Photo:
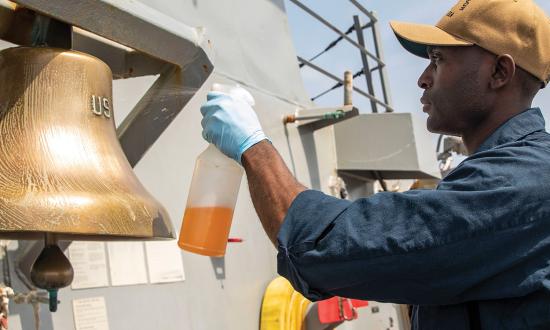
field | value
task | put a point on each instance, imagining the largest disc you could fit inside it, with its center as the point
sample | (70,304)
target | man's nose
(425,81)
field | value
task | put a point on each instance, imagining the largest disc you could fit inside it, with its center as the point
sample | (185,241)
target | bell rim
(62,236)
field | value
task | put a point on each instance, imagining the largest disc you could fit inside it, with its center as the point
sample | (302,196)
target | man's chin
(432,126)
(435,127)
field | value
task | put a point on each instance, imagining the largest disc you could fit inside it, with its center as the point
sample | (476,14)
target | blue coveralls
(474,253)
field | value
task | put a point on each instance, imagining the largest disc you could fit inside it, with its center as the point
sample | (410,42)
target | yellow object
(283,308)
(516,27)
(424,184)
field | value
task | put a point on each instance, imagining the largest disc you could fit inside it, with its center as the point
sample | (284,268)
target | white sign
(164,262)
(90,314)
(14,322)
(127,263)
(13,245)
(89,264)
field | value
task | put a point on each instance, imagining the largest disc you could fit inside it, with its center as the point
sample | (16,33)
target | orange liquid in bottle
(205,230)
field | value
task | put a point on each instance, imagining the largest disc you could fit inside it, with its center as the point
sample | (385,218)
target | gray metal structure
(365,54)
(400,151)
(174,51)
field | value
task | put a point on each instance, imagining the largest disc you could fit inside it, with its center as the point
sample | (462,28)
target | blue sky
(310,37)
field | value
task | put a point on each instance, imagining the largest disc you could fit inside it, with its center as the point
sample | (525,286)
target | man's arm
(272,186)
(230,123)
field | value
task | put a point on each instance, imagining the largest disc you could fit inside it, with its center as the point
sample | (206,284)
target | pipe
(348,88)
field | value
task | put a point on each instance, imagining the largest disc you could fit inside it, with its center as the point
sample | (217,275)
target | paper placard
(14,322)
(89,264)
(164,262)
(13,245)
(127,263)
(90,314)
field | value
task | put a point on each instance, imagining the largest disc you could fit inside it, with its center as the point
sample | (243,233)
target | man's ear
(504,70)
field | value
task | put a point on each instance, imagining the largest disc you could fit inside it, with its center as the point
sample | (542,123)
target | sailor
(473,253)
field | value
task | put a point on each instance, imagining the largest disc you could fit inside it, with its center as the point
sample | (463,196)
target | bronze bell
(62,170)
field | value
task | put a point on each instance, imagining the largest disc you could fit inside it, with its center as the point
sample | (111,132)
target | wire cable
(335,42)
(338,84)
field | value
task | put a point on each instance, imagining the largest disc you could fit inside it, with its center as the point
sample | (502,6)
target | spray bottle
(212,196)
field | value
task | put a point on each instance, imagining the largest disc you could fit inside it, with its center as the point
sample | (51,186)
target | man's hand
(230,123)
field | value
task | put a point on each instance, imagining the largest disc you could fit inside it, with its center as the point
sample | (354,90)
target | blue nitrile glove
(229,121)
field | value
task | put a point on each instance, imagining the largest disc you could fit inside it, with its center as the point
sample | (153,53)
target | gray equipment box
(386,146)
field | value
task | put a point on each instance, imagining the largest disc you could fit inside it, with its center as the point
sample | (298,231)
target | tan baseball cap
(518,28)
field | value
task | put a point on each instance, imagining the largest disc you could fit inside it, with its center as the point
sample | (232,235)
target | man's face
(455,87)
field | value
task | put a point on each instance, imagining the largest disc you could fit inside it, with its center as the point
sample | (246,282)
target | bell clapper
(52,270)
(52,293)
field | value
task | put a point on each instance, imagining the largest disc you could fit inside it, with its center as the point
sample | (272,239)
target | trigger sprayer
(212,196)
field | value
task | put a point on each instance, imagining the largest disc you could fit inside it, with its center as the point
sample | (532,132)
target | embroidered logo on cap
(464,5)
